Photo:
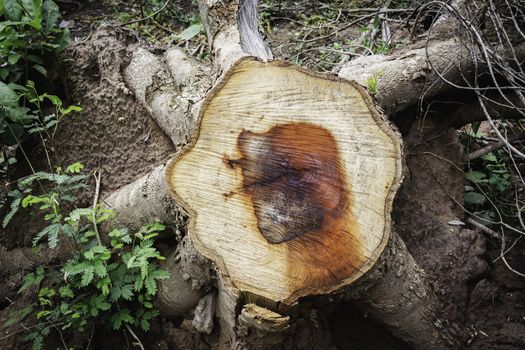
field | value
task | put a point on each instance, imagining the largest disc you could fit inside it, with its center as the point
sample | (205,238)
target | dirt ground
(114,134)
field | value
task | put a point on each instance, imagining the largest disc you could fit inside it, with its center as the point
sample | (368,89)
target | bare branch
(484,229)
(491,148)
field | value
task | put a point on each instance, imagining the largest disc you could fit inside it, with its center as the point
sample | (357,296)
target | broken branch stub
(288,181)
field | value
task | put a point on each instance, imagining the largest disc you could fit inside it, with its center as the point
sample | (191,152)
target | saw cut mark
(294,176)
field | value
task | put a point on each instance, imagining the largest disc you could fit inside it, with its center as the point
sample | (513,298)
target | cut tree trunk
(288,180)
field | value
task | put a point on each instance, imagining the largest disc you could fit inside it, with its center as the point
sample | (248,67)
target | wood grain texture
(289,180)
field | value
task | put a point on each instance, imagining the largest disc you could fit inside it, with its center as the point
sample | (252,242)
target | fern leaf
(75,178)
(15,205)
(145,325)
(127,292)
(159,274)
(99,302)
(100,269)
(38,342)
(104,306)
(27,282)
(146,317)
(76,268)
(78,213)
(87,276)
(93,312)
(139,283)
(19,315)
(151,285)
(103,285)
(52,232)
(123,316)
(115,293)
(52,236)
(143,267)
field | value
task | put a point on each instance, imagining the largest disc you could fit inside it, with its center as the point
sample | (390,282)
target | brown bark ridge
(395,291)
(288,181)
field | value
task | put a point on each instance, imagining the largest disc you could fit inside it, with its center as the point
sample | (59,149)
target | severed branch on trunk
(261,329)
(457,57)
(406,78)
(396,293)
(172,91)
(232,30)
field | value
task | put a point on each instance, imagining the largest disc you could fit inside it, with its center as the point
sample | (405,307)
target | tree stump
(288,181)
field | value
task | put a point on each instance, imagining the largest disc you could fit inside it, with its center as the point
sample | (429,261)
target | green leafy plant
(45,120)
(489,179)
(489,192)
(380,48)
(65,183)
(193,30)
(111,278)
(30,35)
(371,82)
(112,282)
(40,114)
(29,30)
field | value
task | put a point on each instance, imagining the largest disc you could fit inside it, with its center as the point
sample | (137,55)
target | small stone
(456,223)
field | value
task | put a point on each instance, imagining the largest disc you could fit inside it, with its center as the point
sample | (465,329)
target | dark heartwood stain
(295,181)
(293,175)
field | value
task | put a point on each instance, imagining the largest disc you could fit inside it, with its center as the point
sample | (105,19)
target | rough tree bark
(208,278)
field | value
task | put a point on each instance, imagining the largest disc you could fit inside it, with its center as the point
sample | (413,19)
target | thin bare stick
(96,175)
(502,256)
(348,25)
(148,17)
(136,337)
(61,335)
(383,10)
(91,336)
(385,27)
(484,229)
(491,148)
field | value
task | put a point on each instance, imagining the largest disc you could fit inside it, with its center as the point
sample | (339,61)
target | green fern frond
(52,232)
(15,205)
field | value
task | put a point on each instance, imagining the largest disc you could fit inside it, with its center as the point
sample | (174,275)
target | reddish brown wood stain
(294,176)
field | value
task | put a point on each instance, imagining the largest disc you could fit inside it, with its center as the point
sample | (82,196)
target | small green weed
(490,180)
(371,82)
(380,48)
